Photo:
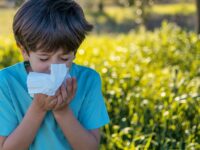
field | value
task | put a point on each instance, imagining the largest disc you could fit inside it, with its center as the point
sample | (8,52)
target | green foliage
(151,84)
(172,9)
(9,54)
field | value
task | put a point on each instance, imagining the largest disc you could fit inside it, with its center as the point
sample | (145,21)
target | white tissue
(47,83)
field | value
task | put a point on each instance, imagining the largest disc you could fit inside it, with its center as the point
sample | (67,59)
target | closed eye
(65,59)
(44,59)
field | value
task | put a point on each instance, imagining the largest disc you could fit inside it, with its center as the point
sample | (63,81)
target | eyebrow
(49,53)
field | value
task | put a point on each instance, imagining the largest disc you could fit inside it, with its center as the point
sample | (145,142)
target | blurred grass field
(150,79)
(118,15)
(6,19)
(151,85)
(179,8)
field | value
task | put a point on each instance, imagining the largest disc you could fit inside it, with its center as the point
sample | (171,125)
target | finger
(69,86)
(52,104)
(54,96)
(74,83)
(50,98)
(57,92)
(49,104)
(57,104)
(39,96)
(64,93)
(60,99)
(60,106)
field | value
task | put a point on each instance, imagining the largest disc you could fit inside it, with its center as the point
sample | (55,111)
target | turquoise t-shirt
(88,105)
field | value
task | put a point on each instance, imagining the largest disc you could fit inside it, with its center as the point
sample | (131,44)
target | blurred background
(148,55)
(122,16)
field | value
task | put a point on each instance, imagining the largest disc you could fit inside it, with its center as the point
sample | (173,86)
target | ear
(24,54)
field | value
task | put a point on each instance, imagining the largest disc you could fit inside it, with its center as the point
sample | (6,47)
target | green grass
(151,85)
(120,14)
(172,9)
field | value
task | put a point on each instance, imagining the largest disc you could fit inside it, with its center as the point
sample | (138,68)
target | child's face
(41,61)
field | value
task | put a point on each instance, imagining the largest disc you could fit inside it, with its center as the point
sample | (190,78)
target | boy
(50,32)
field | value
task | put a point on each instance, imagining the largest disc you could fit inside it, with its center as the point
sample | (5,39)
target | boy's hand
(65,95)
(44,102)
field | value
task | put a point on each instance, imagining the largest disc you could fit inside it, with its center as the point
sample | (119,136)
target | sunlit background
(148,55)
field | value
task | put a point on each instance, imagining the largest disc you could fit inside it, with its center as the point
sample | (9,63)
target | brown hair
(49,25)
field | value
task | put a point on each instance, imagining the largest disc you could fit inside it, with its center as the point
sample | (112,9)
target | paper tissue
(47,83)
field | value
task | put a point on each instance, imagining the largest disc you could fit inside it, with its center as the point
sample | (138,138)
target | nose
(55,61)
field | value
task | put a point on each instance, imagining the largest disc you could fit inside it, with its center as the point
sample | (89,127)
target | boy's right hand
(44,102)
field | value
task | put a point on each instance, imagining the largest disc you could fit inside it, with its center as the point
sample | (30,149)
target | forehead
(55,52)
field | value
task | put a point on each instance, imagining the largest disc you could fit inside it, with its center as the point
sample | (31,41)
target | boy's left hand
(65,95)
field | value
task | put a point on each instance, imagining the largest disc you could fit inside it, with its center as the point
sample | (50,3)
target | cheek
(69,64)
(44,67)
(40,67)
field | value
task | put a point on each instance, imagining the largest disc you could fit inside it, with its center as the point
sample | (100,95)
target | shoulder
(4,81)
(6,74)
(86,72)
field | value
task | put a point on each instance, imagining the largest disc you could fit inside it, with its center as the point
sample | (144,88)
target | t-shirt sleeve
(93,113)
(8,119)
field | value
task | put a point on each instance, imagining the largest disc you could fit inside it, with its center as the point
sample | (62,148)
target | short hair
(48,25)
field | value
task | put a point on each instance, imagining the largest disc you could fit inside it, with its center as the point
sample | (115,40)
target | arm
(78,137)
(2,139)
(24,134)
(75,133)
